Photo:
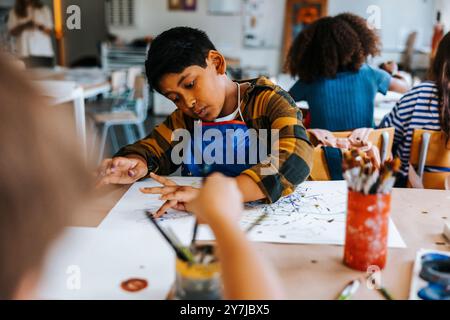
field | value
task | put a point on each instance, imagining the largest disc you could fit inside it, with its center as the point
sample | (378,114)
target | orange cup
(366,233)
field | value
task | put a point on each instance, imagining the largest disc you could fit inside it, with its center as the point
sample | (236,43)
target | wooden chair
(429,151)
(382,138)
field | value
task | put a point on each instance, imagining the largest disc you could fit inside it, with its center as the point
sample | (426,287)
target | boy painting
(184,66)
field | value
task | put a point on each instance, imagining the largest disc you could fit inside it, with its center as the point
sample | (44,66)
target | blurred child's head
(42,178)
(440,73)
(184,66)
(331,45)
(370,41)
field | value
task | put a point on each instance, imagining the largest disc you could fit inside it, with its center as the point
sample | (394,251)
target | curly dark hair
(370,41)
(331,45)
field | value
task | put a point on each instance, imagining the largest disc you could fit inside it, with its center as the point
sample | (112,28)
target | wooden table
(317,271)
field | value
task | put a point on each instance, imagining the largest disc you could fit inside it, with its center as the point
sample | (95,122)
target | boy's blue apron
(241,143)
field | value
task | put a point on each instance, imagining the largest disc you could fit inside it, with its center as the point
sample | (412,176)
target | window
(120,13)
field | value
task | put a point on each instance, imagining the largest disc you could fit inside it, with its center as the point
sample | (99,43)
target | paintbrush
(179,245)
(385,293)
(349,290)
(382,290)
(362,176)
(180,254)
(257,221)
(194,234)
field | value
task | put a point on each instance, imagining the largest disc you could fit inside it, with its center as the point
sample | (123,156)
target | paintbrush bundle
(194,254)
(364,177)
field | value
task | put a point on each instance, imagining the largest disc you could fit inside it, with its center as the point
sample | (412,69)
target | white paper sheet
(91,264)
(129,212)
(314,214)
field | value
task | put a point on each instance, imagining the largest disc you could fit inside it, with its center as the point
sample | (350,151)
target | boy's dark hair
(331,45)
(174,50)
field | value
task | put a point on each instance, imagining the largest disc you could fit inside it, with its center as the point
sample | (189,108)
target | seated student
(184,66)
(37,203)
(329,58)
(426,106)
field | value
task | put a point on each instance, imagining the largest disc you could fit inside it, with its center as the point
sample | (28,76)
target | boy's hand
(122,170)
(177,197)
(218,199)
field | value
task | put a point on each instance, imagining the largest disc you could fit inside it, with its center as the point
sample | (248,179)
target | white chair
(122,89)
(122,94)
(134,116)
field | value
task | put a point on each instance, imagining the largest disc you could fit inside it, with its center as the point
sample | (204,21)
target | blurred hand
(218,199)
(177,197)
(121,170)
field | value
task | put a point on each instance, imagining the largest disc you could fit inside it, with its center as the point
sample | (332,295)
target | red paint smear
(134,285)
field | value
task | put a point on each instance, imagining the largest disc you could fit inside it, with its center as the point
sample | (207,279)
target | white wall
(399,17)
(444,7)
(153,17)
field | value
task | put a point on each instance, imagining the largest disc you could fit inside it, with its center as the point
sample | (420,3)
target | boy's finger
(158,190)
(123,163)
(137,173)
(180,207)
(112,179)
(116,162)
(100,183)
(103,182)
(116,172)
(122,168)
(178,195)
(162,180)
(103,167)
(163,210)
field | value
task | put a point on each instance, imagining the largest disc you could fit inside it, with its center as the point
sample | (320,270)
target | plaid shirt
(265,106)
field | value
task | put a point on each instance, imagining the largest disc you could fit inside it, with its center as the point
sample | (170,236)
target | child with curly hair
(330,60)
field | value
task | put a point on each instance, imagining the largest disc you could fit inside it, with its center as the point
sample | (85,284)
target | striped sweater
(265,106)
(418,109)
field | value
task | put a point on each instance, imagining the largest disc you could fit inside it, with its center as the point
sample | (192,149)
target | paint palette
(431,276)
